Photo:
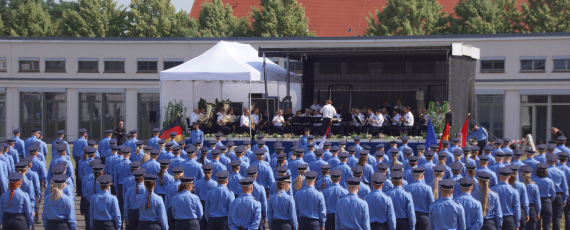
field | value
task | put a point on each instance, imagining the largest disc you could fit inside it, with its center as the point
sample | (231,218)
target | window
(147,65)
(88,65)
(55,65)
(492,64)
(533,64)
(29,64)
(2,64)
(171,62)
(296,66)
(114,65)
(490,113)
(561,63)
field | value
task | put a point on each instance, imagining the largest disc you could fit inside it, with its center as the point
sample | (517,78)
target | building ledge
(55,71)
(532,71)
(28,71)
(88,71)
(111,71)
(147,71)
(492,71)
(561,71)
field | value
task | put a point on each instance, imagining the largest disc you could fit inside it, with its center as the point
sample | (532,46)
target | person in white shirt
(221,125)
(255,116)
(396,122)
(307,113)
(356,126)
(386,117)
(245,123)
(376,122)
(316,106)
(194,116)
(328,112)
(407,119)
(278,122)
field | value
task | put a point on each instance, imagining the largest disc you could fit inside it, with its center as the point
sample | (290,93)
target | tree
(217,20)
(279,18)
(484,17)
(543,16)
(174,110)
(407,17)
(158,18)
(94,18)
(1,26)
(32,20)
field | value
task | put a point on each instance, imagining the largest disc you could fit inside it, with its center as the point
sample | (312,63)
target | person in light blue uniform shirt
(91,187)
(310,140)
(195,135)
(352,210)
(456,169)
(130,181)
(454,144)
(38,166)
(499,157)
(517,154)
(311,205)
(316,164)
(105,214)
(258,193)
(551,147)
(530,161)
(561,144)
(325,180)
(279,160)
(347,172)
(446,213)
(541,157)
(380,158)
(332,195)
(471,206)
(480,134)
(333,160)
(245,211)
(533,197)
(139,152)
(7,158)
(563,158)
(59,210)
(186,207)
(164,179)
(428,154)
(201,156)
(394,145)
(153,141)
(483,161)
(15,207)
(309,155)
(380,206)
(357,146)
(28,186)
(235,176)
(104,144)
(444,149)
(305,138)
(506,145)
(561,186)
(167,153)
(299,182)
(171,191)
(498,144)
(364,189)
(152,213)
(407,154)
(260,145)
(403,203)
(384,169)
(57,170)
(547,190)
(112,158)
(218,166)
(327,151)
(202,187)
(422,197)
(409,173)
(296,162)
(176,160)
(281,211)
(32,139)
(132,142)
(130,206)
(404,145)
(224,158)
(278,146)
(265,173)
(19,144)
(281,171)
(218,202)
(12,152)
(60,134)
(191,167)
(278,150)
(509,199)
(152,166)
(523,196)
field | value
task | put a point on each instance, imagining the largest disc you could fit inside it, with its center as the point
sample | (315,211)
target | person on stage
(481,136)
(328,112)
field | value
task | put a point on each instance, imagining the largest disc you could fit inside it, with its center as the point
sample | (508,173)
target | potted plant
(271,137)
(288,137)
(209,137)
(436,112)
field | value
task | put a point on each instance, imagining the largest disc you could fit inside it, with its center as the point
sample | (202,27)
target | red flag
(325,136)
(464,133)
(174,127)
(445,136)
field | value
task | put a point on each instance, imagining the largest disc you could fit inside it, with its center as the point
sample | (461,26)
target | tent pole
(250,114)
(266,95)
(288,97)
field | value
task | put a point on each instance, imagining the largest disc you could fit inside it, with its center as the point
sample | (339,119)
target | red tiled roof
(328,18)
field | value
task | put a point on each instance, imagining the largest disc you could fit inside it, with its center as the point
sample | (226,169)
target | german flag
(174,127)
(444,137)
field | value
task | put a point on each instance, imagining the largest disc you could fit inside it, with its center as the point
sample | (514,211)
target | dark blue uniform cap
(139,143)
(351,149)
(222,175)
(246,181)
(58,169)
(282,169)
(176,148)
(343,155)
(367,147)
(94,162)
(235,163)
(455,140)
(15,177)
(561,139)
(335,149)
(429,153)
(319,152)
(550,147)
(394,151)
(139,172)
(260,136)
(483,158)
(33,148)
(133,131)
(434,147)
(198,142)
(302,167)
(483,175)
(135,164)
(260,142)
(421,147)
(413,159)
(16,130)
(342,143)
(160,142)
(61,148)
(336,173)
(470,166)
(541,147)
(456,166)
(393,142)
(164,162)
(147,148)
(408,151)
(382,166)
(285,178)
(364,153)
(187,180)
(247,143)
(498,141)
(418,170)
(150,177)
(508,154)
(281,156)
(311,145)
(526,169)
(60,178)
(438,168)
(91,143)
(207,167)
(378,178)
(260,152)
(105,179)
(22,164)
(447,184)
(279,148)
(178,170)
(252,170)
(126,149)
(31,159)
(298,151)
(517,153)
(397,175)
(551,157)
(380,146)
(442,154)
(357,170)
(466,182)
(357,138)
(90,150)
(59,141)
(239,149)
(327,144)
(60,132)
(63,163)
(504,171)
(154,152)
(513,167)
(204,149)
(311,175)
(277,144)
(326,167)
(12,140)
(444,142)
(172,134)
(156,130)
(529,151)
(404,138)
(506,140)
(98,167)
(216,152)
(396,168)
(458,152)
(230,144)
(563,155)
(108,130)
(466,149)
(217,134)
(379,153)
(353,181)
(83,130)
(169,145)
(475,148)
(541,166)
(213,142)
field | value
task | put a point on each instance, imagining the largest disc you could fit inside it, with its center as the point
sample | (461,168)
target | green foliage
(436,112)
(202,104)
(407,17)
(217,20)
(95,18)
(544,16)
(158,18)
(32,20)
(1,26)
(279,18)
(475,17)
(174,109)
(56,9)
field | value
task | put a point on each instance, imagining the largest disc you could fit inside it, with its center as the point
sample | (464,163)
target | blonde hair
(441,161)
(484,184)
(394,159)
(279,188)
(299,179)
(146,157)
(177,176)
(55,190)
(435,189)
(527,179)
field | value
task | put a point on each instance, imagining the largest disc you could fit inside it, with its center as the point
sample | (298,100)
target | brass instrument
(226,119)
(233,118)
(205,118)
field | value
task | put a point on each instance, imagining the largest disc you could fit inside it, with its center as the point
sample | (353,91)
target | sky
(179,4)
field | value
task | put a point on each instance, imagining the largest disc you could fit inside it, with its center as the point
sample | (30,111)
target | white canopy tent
(229,70)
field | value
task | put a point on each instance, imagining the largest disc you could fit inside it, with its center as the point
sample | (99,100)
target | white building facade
(522,80)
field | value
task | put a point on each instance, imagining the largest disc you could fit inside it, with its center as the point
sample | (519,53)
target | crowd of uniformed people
(194,185)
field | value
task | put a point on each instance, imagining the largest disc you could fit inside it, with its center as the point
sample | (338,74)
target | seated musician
(335,128)
(317,125)
(376,122)
(396,122)
(356,126)
(424,117)
(407,120)
(245,123)
(296,127)
(221,124)
(307,113)
(256,118)
(278,122)
(387,121)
